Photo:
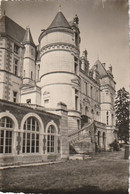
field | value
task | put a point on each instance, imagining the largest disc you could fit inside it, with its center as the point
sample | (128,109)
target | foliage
(115,145)
(122,114)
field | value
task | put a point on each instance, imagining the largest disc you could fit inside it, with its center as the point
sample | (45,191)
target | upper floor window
(28,101)
(86,88)
(15,66)
(107,117)
(6,130)
(16,48)
(91,92)
(14,96)
(76,65)
(76,99)
(31,75)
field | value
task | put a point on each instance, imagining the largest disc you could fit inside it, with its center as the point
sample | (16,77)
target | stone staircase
(82,141)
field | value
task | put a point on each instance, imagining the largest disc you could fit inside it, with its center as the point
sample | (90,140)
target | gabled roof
(59,21)
(12,29)
(28,37)
(101,69)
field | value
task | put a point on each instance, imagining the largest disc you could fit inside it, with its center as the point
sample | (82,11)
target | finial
(27,27)
(59,8)
(76,19)
(97,56)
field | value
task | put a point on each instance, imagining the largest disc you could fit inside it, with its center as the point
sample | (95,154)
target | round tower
(59,68)
(29,72)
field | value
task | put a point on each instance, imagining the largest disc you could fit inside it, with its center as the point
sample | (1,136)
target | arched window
(99,138)
(104,139)
(31,136)
(6,130)
(51,139)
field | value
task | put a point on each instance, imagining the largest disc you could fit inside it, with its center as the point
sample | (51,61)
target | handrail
(77,132)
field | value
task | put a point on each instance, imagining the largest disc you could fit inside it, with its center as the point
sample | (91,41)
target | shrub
(115,145)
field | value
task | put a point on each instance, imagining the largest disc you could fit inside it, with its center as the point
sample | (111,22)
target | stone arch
(98,138)
(15,128)
(32,115)
(52,123)
(10,115)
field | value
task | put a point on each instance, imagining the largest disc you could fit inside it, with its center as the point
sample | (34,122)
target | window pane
(31,141)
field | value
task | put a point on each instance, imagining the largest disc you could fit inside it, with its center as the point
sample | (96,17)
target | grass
(105,173)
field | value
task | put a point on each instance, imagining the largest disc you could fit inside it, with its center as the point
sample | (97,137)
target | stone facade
(53,77)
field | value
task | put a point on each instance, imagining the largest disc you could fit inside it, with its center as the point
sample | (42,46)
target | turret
(29,72)
(59,66)
(84,62)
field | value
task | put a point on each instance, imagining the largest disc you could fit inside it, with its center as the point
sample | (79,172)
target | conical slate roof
(59,21)
(11,28)
(28,37)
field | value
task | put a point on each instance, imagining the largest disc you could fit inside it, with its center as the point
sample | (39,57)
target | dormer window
(16,49)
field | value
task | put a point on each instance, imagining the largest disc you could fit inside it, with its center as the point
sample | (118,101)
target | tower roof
(28,37)
(12,29)
(59,21)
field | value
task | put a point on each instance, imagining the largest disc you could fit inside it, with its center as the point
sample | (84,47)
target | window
(31,75)
(107,117)
(76,99)
(15,66)
(46,101)
(91,92)
(92,111)
(78,123)
(6,130)
(76,65)
(28,101)
(16,49)
(112,118)
(24,73)
(51,139)
(14,96)
(97,95)
(38,74)
(31,136)
(86,88)
(99,138)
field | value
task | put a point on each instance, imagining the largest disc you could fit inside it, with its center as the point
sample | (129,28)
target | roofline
(55,29)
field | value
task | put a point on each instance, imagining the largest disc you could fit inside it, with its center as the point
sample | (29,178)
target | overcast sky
(103,27)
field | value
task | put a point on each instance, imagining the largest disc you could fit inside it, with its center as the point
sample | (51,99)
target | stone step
(79,157)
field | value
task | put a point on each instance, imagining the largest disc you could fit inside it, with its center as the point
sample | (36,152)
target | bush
(115,145)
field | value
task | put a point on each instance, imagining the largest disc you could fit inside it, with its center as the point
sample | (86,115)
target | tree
(122,114)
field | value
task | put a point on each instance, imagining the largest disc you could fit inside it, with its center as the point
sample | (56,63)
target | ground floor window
(51,139)
(6,131)
(31,136)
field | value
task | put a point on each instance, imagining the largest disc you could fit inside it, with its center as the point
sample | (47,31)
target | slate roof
(12,29)
(59,21)
(28,37)
(101,69)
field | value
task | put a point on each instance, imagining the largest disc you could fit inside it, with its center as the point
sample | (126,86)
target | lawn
(105,173)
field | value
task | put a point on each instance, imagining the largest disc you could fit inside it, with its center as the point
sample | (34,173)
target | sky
(103,28)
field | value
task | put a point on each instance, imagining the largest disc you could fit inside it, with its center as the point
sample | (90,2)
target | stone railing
(86,131)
